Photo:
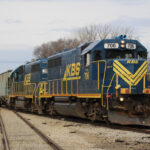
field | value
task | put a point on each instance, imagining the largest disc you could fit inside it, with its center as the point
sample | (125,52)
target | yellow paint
(57,86)
(123,91)
(144,91)
(61,86)
(71,87)
(72,71)
(141,76)
(86,75)
(66,87)
(49,87)
(117,86)
(53,87)
(27,79)
(95,95)
(127,71)
(110,84)
(144,80)
(102,99)
(73,78)
(127,76)
(98,76)
(77,86)
(89,95)
(132,61)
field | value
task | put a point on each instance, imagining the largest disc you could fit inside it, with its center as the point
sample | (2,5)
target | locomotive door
(98,69)
(99,75)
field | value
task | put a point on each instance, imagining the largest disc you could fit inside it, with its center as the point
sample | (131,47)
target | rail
(49,141)
(3,131)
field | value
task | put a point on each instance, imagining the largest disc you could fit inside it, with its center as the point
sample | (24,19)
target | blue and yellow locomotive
(100,80)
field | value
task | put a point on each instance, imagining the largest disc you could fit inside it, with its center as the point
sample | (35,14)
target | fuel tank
(69,109)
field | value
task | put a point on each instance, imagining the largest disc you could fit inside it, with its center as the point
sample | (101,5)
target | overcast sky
(25,24)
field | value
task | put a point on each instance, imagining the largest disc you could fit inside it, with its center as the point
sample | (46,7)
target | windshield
(126,54)
(142,55)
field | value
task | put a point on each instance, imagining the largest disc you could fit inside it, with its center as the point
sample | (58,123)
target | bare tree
(50,48)
(87,33)
(103,31)
(84,34)
(100,32)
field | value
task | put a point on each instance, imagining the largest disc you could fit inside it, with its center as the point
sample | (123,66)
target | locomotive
(104,80)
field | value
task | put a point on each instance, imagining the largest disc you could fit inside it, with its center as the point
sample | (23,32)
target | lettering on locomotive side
(86,75)
(27,79)
(132,61)
(72,71)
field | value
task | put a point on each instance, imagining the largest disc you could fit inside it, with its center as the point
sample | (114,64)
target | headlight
(44,71)
(121,99)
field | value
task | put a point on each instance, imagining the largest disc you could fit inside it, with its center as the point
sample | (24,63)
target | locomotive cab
(118,70)
(130,86)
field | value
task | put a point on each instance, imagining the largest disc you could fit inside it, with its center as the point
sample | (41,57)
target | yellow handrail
(99,61)
(110,84)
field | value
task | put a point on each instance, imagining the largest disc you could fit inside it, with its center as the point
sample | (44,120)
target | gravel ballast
(79,136)
(70,135)
(20,135)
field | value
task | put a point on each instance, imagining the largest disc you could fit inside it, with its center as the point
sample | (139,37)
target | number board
(111,45)
(130,46)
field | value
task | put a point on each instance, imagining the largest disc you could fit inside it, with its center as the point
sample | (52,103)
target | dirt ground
(85,136)
(1,141)
(20,135)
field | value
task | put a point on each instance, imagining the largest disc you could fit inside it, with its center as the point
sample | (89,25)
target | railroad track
(49,141)
(139,129)
(133,128)
(3,131)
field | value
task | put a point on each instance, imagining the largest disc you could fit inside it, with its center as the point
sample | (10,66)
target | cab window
(87,59)
(119,54)
(16,76)
(142,55)
(97,55)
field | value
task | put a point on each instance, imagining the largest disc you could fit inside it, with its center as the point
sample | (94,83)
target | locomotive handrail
(144,81)
(66,81)
(54,87)
(110,84)
(20,89)
(99,61)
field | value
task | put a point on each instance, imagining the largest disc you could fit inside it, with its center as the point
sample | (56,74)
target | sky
(25,24)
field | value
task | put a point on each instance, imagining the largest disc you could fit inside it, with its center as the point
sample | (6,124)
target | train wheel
(32,108)
(94,112)
(51,109)
(39,108)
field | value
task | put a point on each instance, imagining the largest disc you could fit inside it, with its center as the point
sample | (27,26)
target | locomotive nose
(130,74)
